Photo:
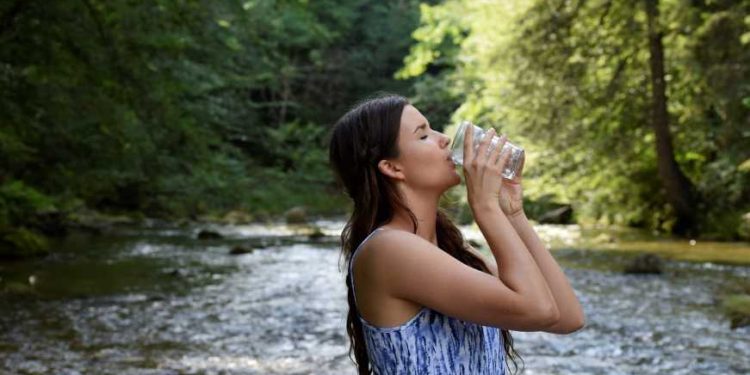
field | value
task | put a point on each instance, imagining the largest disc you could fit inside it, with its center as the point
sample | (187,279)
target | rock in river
(737,308)
(645,264)
(207,234)
(296,215)
(239,249)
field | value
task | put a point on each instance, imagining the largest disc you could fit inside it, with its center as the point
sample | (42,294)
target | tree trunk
(679,189)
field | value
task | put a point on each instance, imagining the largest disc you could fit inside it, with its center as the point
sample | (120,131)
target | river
(155,300)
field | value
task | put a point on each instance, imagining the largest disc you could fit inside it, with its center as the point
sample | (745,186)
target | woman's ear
(391,169)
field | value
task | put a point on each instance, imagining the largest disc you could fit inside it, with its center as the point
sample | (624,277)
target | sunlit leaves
(570,81)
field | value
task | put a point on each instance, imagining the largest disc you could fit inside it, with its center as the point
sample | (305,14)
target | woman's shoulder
(393,237)
(389,244)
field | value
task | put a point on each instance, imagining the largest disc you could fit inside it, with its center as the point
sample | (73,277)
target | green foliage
(570,82)
(18,201)
(291,189)
(301,148)
(184,108)
(21,243)
(434,58)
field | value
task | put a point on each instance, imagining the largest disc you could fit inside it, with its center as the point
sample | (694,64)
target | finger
(499,149)
(519,176)
(485,144)
(503,160)
(468,142)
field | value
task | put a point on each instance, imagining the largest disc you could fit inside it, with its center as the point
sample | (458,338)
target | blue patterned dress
(432,343)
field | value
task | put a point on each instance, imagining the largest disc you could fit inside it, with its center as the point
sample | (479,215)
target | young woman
(421,300)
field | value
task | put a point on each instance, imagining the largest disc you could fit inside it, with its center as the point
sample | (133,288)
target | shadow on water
(158,301)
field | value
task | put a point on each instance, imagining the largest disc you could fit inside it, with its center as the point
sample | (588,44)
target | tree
(569,81)
(680,190)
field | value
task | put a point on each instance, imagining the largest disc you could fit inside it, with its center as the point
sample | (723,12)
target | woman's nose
(445,140)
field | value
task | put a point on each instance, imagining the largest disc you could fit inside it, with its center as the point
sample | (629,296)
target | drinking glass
(512,167)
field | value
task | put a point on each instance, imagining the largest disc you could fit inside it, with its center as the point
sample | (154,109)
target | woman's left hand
(511,194)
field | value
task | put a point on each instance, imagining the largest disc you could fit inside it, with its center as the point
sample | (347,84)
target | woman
(422,301)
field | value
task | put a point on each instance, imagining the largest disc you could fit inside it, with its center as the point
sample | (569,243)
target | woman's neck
(425,209)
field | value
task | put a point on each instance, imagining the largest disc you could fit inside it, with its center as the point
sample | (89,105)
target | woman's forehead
(411,118)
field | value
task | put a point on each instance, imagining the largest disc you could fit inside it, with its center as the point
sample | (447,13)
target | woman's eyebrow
(420,127)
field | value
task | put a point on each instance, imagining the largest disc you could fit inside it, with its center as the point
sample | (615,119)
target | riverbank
(614,239)
(31,238)
(632,242)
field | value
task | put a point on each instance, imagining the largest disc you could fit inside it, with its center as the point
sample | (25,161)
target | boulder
(645,264)
(737,309)
(560,215)
(239,249)
(207,234)
(235,217)
(176,272)
(296,215)
(316,233)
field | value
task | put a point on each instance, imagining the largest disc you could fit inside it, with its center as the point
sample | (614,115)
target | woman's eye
(423,137)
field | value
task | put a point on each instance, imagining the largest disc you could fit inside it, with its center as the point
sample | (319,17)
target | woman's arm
(571,313)
(516,267)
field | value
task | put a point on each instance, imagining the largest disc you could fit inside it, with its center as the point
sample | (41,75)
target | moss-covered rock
(207,234)
(316,233)
(98,222)
(645,264)
(737,309)
(296,215)
(17,289)
(235,217)
(240,249)
(16,243)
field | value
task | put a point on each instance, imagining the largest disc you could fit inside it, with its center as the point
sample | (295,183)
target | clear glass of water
(515,163)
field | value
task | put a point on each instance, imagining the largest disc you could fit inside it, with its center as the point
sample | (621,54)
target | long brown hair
(363,136)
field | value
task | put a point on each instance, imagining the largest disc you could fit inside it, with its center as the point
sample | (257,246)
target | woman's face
(424,154)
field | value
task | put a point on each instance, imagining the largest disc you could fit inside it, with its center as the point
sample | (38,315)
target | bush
(18,203)
(21,243)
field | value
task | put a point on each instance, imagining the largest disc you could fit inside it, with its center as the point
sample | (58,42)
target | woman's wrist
(512,208)
(515,214)
(484,208)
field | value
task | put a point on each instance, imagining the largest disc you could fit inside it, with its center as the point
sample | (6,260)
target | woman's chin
(456,180)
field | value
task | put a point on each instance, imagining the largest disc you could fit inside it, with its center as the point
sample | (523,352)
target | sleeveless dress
(431,343)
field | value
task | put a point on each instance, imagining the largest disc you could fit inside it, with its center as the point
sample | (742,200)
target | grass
(732,253)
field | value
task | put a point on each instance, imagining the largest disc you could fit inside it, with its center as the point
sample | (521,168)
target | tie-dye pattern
(433,343)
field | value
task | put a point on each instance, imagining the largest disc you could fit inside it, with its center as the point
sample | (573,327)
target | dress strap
(351,262)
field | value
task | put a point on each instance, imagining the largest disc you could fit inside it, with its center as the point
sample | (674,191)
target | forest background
(632,113)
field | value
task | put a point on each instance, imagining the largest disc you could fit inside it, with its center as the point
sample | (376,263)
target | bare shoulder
(407,267)
(396,248)
(393,246)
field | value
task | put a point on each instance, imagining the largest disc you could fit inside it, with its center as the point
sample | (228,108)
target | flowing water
(155,300)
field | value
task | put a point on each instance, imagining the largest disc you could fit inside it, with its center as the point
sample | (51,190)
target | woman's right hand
(483,170)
